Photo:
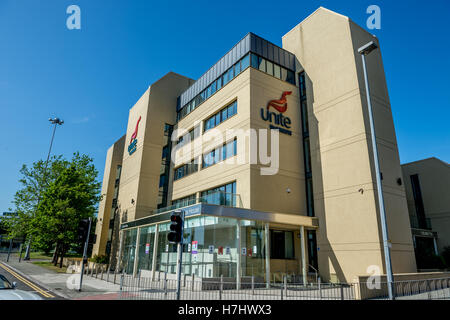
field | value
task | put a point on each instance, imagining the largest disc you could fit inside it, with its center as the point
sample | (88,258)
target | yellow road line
(30,284)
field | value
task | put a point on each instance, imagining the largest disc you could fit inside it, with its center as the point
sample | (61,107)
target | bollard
(221,287)
(115,272)
(319,283)
(107,274)
(253,285)
(139,280)
(92,272)
(184,280)
(192,282)
(121,281)
(96,271)
(342,292)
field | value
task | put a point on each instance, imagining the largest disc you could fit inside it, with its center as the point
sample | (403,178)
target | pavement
(51,285)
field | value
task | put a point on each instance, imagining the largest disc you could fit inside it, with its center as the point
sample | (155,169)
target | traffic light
(176,227)
(83,230)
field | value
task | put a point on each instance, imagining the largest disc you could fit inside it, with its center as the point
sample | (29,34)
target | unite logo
(133,140)
(280,105)
(278,120)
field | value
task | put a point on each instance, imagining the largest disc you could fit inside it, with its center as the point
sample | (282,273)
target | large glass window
(146,243)
(129,250)
(183,202)
(281,244)
(186,169)
(222,195)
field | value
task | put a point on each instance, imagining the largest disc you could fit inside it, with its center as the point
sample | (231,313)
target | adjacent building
(427,184)
(268,154)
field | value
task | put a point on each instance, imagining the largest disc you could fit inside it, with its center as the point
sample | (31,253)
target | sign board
(220,251)
(147,248)
(227,250)
(194,247)
(244,251)
(211,249)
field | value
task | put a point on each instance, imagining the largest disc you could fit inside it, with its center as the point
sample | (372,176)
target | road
(25,284)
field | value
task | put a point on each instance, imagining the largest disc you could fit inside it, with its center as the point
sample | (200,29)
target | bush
(102,259)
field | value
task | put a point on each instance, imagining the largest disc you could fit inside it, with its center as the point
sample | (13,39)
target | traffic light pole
(85,253)
(180,258)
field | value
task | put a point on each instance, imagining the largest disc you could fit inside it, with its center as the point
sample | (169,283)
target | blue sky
(93,76)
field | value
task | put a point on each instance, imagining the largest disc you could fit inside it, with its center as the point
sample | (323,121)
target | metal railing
(253,288)
(140,288)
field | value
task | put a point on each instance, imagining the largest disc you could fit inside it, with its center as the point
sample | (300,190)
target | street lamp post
(364,51)
(55,122)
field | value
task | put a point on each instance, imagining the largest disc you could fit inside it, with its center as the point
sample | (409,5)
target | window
(222,195)
(221,116)
(277,71)
(183,202)
(216,85)
(237,68)
(261,64)
(269,66)
(255,61)
(245,62)
(290,77)
(281,244)
(219,154)
(312,251)
(185,170)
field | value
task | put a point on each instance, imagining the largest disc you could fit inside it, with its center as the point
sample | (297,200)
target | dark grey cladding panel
(250,42)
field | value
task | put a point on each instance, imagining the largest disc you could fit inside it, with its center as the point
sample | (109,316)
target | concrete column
(155,251)
(136,252)
(238,259)
(267,245)
(303,246)
(119,255)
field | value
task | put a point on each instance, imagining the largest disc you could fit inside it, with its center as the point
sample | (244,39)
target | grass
(50,266)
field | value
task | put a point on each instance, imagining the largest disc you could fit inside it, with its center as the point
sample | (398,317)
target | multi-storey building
(268,154)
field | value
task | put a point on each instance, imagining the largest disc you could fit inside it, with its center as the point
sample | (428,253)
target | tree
(71,197)
(34,181)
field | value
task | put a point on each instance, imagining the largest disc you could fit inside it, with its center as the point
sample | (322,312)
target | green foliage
(102,259)
(71,197)
(50,208)
(32,184)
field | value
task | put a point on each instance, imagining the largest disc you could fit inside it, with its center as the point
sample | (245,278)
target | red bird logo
(134,135)
(280,105)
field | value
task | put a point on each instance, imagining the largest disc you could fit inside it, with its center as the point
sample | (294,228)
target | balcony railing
(218,198)
(417,223)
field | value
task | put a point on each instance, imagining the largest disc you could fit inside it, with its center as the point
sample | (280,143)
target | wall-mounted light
(288,190)
(132,201)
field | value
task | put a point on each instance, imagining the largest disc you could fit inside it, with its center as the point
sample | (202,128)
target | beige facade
(433,176)
(106,210)
(344,189)
(349,237)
